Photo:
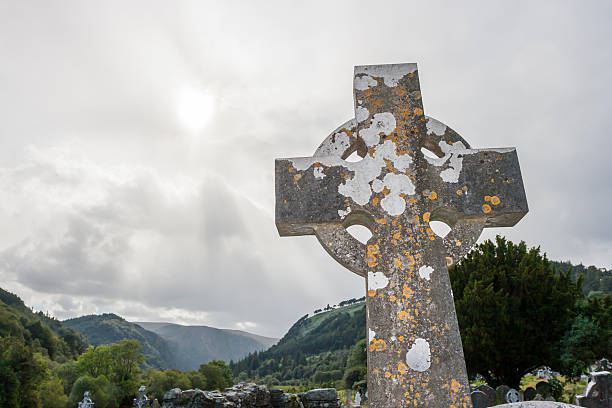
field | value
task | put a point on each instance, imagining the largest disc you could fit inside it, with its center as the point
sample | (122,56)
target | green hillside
(195,345)
(41,332)
(314,350)
(110,328)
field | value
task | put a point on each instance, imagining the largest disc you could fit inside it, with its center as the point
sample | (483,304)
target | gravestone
(414,169)
(490,391)
(480,399)
(598,392)
(87,402)
(142,400)
(529,393)
(512,396)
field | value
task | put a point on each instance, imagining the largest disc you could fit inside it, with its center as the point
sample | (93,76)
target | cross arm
(306,197)
(480,183)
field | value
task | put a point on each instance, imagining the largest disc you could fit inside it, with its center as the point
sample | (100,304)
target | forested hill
(110,328)
(36,331)
(596,281)
(314,350)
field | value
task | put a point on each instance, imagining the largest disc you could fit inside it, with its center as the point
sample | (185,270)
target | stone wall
(249,395)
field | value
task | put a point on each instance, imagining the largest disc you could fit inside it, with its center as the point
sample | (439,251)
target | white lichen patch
(364,82)
(435,127)
(425,272)
(419,356)
(452,154)
(393,203)
(377,280)
(381,123)
(391,73)
(344,213)
(361,114)
(318,172)
(366,172)
(371,335)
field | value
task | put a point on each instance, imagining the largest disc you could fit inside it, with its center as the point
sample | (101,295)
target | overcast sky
(138,140)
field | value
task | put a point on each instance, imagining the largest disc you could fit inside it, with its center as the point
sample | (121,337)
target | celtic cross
(413,170)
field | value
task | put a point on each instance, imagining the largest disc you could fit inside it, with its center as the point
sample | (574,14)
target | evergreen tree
(513,309)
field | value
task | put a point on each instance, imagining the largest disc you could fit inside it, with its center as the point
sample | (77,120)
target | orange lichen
(372,251)
(486,208)
(378,345)
(426,216)
(495,200)
(375,201)
(449,261)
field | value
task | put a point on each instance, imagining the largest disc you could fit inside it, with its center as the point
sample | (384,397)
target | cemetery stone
(142,400)
(598,392)
(487,390)
(480,399)
(500,394)
(529,393)
(87,402)
(413,169)
(512,396)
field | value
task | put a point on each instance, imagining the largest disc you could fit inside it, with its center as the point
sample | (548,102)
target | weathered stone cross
(413,169)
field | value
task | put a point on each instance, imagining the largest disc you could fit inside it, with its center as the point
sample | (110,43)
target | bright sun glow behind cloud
(195,108)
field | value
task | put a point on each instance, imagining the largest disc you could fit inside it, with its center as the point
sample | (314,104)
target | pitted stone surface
(413,169)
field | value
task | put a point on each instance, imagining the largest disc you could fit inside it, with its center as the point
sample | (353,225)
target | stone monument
(87,402)
(598,392)
(142,401)
(414,169)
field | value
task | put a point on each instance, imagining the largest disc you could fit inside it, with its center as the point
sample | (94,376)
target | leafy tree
(513,308)
(52,393)
(102,391)
(218,375)
(68,374)
(160,381)
(96,361)
(9,385)
(28,368)
(578,346)
(197,379)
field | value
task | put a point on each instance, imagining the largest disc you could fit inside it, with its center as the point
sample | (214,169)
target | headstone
(142,400)
(321,397)
(155,404)
(87,402)
(529,393)
(598,392)
(480,399)
(500,393)
(415,357)
(512,396)
(487,390)
(543,388)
